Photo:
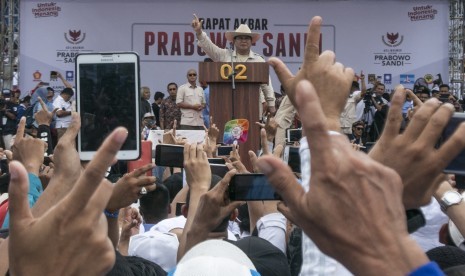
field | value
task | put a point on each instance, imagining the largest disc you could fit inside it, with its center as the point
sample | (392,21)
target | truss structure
(9,43)
(456,45)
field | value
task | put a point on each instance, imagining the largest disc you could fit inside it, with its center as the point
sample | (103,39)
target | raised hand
(47,244)
(330,78)
(341,212)
(197,25)
(412,154)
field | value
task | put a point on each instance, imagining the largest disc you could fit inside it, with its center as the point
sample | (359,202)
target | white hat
(242,30)
(148,114)
(215,257)
(169,224)
(160,248)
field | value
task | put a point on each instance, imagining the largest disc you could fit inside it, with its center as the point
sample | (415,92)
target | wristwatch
(450,198)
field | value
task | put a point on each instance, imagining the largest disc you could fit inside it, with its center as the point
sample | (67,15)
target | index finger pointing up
(312,48)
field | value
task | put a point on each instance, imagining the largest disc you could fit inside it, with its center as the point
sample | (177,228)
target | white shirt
(60,103)
(314,262)
(428,236)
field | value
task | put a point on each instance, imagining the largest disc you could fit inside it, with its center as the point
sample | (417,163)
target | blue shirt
(35,191)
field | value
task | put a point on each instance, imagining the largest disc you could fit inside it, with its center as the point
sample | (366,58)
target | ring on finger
(143,191)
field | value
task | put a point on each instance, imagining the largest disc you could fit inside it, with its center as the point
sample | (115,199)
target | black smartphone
(220,161)
(179,208)
(224,150)
(53,75)
(460,182)
(4,233)
(219,170)
(251,187)
(107,96)
(47,160)
(457,165)
(444,98)
(293,135)
(169,155)
(291,156)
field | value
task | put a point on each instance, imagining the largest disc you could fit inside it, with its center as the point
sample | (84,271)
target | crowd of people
(390,211)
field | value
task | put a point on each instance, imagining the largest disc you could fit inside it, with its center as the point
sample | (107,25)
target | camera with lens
(368,97)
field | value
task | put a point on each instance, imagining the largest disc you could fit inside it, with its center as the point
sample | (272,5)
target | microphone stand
(233,80)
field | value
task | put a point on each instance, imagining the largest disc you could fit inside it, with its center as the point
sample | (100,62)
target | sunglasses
(192,75)
(359,128)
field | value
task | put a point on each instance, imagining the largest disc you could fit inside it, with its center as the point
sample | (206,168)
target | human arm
(455,212)
(214,206)
(213,51)
(323,72)
(130,227)
(76,223)
(127,189)
(413,153)
(183,91)
(58,104)
(198,177)
(345,227)
(415,99)
(64,81)
(268,93)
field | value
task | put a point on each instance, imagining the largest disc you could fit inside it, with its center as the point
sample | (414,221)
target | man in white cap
(243,38)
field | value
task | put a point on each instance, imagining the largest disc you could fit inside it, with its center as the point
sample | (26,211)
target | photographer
(8,113)
(380,106)
(349,115)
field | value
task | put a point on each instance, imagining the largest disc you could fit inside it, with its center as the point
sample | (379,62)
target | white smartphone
(107,86)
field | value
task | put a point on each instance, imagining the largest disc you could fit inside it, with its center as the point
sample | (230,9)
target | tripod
(369,117)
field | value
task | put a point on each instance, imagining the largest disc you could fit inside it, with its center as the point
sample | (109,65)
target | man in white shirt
(64,105)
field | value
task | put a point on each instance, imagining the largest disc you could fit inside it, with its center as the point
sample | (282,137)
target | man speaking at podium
(243,38)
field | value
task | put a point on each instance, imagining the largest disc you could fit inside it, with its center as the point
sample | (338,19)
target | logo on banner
(407,78)
(69,76)
(428,78)
(392,39)
(37,75)
(67,53)
(371,78)
(393,55)
(75,37)
(422,13)
(47,9)
(387,78)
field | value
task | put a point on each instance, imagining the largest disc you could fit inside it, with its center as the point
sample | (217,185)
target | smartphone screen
(456,166)
(224,150)
(108,97)
(293,135)
(251,187)
(219,170)
(169,155)
(220,161)
(179,208)
(292,157)
(460,182)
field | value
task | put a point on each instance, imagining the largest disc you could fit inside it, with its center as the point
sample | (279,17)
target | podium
(242,103)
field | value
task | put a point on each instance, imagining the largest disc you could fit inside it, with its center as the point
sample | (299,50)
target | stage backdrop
(392,41)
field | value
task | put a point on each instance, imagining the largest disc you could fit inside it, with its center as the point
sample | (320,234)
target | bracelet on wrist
(109,214)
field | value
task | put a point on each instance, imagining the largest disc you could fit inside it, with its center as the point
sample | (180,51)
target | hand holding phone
(107,87)
(251,187)
(169,156)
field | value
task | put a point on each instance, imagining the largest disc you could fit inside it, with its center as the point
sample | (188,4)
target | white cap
(160,248)
(215,257)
